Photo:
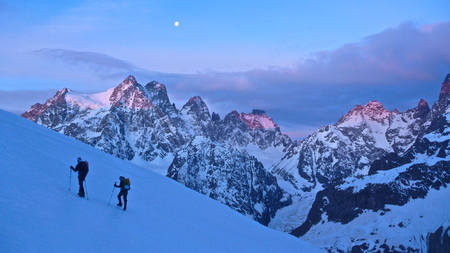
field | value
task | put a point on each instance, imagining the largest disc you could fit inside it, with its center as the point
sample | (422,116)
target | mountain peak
(258,112)
(373,110)
(442,105)
(196,100)
(37,109)
(155,85)
(258,119)
(130,94)
(62,92)
(197,107)
(130,79)
(370,108)
(422,103)
(374,105)
(157,92)
(445,89)
(447,78)
(422,109)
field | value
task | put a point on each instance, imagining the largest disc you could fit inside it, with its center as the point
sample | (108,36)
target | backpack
(84,168)
(87,166)
(127,184)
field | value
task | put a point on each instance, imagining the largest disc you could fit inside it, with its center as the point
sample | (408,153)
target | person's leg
(125,199)
(119,198)
(81,190)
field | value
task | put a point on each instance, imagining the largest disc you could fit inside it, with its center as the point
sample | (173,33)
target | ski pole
(85,186)
(70,178)
(111,194)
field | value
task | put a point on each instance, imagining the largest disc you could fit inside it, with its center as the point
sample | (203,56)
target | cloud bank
(101,64)
(397,67)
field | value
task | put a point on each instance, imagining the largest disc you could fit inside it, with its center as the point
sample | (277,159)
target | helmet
(121,177)
(79,159)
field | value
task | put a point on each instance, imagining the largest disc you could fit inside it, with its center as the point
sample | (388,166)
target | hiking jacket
(82,169)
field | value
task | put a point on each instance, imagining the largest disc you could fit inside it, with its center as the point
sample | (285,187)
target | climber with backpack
(82,168)
(124,188)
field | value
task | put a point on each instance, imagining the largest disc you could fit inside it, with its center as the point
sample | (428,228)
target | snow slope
(40,214)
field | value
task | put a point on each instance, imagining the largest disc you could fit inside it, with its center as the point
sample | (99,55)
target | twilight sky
(306,63)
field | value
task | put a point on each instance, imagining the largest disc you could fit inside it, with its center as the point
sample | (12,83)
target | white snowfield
(39,213)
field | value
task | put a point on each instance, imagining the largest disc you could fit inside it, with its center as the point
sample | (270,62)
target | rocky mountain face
(138,123)
(127,121)
(349,147)
(251,128)
(231,176)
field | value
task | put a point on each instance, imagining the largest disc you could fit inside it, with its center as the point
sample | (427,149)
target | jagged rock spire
(197,107)
(445,89)
(422,109)
(38,109)
(130,80)
(441,106)
(130,94)
(157,92)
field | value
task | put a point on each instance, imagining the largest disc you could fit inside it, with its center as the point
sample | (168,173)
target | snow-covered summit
(258,119)
(372,111)
(130,94)
(197,109)
(89,101)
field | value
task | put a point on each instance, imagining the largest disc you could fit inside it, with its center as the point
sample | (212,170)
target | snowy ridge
(162,215)
(372,112)
(90,102)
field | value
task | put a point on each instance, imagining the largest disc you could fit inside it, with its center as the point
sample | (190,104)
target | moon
(176,23)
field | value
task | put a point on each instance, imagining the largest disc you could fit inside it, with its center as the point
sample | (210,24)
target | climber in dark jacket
(123,192)
(82,168)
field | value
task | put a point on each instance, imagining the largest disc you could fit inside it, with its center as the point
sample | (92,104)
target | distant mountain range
(139,123)
(373,164)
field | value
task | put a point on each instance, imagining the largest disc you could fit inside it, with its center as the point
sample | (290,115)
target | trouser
(123,193)
(80,182)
